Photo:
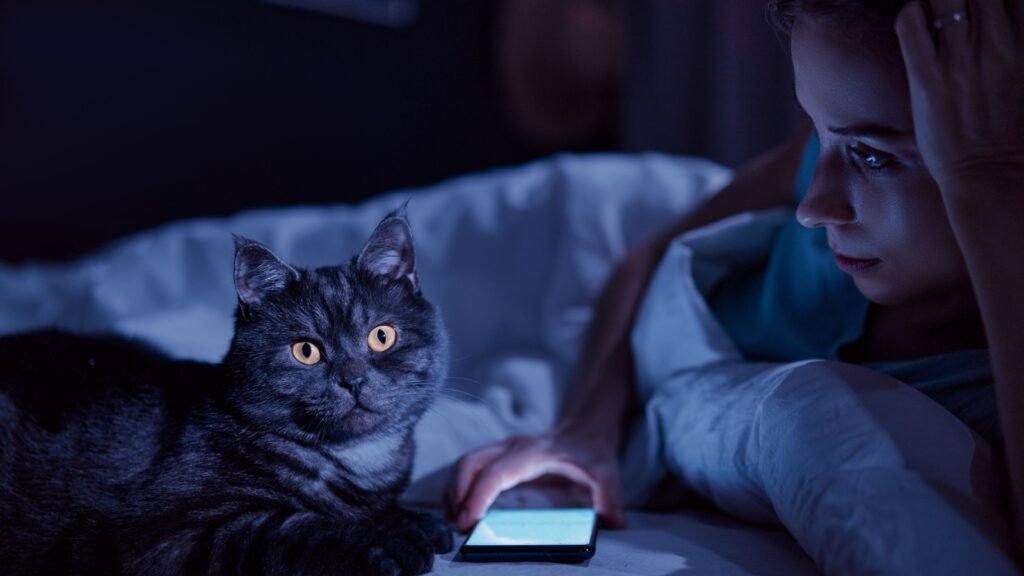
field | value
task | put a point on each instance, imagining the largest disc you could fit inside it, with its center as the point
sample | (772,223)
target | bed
(515,258)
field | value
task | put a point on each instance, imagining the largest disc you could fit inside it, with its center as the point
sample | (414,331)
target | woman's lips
(851,265)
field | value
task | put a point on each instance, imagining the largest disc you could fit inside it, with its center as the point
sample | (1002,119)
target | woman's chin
(877,291)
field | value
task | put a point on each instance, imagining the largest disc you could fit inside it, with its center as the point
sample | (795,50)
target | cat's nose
(354,384)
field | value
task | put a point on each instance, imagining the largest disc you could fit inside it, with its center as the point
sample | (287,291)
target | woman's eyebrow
(869,129)
(865,129)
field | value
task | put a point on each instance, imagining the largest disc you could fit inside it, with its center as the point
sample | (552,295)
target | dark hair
(871,16)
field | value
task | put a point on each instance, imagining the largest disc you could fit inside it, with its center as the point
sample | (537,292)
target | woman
(918,189)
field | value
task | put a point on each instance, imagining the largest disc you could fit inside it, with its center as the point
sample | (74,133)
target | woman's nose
(827,201)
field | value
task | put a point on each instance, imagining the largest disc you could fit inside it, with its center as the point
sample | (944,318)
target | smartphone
(545,535)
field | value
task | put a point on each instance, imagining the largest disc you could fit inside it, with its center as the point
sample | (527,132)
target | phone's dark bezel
(561,553)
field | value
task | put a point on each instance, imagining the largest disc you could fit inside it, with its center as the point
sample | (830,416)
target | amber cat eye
(382,338)
(306,352)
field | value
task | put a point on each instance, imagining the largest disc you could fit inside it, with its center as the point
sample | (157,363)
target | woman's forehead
(841,81)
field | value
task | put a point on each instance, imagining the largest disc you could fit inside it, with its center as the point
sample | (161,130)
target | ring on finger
(958,17)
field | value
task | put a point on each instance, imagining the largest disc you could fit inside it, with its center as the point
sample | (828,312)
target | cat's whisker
(433,410)
(466,396)
(419,386)
(321,426)
(461,358)
(465,393)
(454,390)
(413,387)
(459,378)
(464,379)
(446,393)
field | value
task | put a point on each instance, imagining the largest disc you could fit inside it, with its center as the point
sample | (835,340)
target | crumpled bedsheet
(869,475)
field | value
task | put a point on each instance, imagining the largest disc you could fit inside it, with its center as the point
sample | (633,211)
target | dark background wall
(705,77)
(118,115)
(128,113)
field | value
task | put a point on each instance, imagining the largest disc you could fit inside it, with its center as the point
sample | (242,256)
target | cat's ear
(389,251)
(258,272)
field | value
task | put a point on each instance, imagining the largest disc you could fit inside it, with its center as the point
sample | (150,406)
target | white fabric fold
(869,475)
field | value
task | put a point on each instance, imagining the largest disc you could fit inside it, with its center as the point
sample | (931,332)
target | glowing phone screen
(548,527)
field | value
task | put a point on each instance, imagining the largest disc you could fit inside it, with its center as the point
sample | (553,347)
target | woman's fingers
(602,480)
(993,24)
(952,23)
(916,43)
(481,476)
(606,492)
(965,91)
(466,470)
(506,471)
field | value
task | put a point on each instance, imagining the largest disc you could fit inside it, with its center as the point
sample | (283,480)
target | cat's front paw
(409,544)
(437,531)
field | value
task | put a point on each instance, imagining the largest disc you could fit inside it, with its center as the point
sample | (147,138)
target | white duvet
(867,475)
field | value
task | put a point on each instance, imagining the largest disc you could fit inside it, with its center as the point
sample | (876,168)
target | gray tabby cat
(286,458)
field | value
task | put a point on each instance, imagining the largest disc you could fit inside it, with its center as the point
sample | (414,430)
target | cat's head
(337,353)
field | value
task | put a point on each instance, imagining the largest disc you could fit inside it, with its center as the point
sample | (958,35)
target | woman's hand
(965,65)
(967,95)
(480,476)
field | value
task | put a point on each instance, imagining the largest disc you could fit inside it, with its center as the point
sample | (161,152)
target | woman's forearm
(987,214)
(601,392)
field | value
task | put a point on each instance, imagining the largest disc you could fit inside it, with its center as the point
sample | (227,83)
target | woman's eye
(871,159)
(306,352)
(381,338)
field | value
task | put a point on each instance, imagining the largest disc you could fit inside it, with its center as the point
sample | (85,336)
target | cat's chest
(375,463)
(363,472)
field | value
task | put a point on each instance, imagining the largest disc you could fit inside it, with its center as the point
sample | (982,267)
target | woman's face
(883,213)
